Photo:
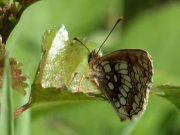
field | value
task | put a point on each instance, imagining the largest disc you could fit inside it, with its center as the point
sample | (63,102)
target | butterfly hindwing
(125,77)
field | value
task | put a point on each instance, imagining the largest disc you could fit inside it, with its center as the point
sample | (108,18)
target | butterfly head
(92,56)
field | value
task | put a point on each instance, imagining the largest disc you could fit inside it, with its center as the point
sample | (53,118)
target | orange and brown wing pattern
(125,77)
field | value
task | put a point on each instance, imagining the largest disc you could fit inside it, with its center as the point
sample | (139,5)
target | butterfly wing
(125,77)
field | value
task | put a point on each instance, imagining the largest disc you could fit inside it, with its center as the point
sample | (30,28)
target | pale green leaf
(6,118)
(169,92)
(63,66)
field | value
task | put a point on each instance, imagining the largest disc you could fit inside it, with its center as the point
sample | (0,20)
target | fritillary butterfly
(124,78)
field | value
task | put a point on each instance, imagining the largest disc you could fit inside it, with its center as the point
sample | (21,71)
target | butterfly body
(124,78)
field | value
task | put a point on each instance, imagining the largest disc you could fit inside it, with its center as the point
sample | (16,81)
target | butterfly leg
(78,80)
(80,83)
(73,78)
(96,83)
(73,82)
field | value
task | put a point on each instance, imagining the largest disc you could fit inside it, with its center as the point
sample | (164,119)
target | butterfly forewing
(124,77)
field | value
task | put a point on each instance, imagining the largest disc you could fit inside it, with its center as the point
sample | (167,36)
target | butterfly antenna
(75,38)
(119,19)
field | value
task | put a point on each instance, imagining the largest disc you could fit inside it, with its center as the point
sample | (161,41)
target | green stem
(6,119)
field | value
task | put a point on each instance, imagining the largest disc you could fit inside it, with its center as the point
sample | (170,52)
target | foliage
(154,29)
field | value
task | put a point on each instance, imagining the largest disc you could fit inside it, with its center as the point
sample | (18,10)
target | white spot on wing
(117,67)
(137,99)
(110,85)
(139,87)
(123,71)
(122,100)
(145,61)
(122,111)
(125,88)
(0,39)
(108,77)
(123,92)
(145,66)
(134,68)
(122,61)
(123,66)
(117,104)
(115,78)
(126,77)
(107,68)
(134,106)
(137,77)
(128,84)
(138,71)
(104,63)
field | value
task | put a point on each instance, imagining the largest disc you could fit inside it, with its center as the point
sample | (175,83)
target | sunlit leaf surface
(63,69)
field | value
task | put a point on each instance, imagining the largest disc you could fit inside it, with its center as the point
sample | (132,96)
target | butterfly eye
(89,57)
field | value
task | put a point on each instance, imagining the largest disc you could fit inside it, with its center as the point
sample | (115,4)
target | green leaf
(170,92)
(40,95)
(25,41)
(6,119)
(63,65)
(3,2)
(134,8)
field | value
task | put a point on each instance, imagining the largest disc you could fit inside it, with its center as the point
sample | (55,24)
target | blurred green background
(153,25)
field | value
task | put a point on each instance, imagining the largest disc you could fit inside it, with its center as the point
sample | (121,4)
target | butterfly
(124,77)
